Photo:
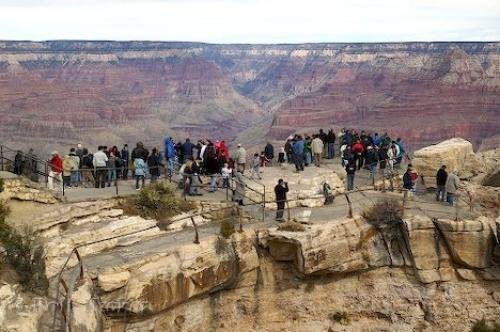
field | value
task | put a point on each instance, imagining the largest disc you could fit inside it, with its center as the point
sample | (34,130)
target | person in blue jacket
(169,149)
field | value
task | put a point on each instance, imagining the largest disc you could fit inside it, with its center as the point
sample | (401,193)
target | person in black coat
(280,191)
(125,155)
(154,164)
(441,178)
(269,152)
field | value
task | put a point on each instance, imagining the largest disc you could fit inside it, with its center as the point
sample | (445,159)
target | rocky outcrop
(18,312)
(24,190)
(455,153)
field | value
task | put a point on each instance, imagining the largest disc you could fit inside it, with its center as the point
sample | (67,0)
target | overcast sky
(252,21)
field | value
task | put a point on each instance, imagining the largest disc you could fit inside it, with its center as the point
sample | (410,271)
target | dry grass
(482,326)
(385,211)
(227,227)
(291,226)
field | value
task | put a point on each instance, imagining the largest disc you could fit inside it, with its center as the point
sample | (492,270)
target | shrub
(1,185)
(291,226)
(227,227)
(24,254)
(385,211)
(156,201)
(481,326)
(340,317)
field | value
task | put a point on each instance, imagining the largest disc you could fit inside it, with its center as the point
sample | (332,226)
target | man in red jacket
(56,167)
(358,149)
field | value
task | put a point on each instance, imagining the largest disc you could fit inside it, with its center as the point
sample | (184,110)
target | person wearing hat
(56,167)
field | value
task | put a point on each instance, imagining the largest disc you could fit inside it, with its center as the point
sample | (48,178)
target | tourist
(401,150)
(281,156)
(31,166)
(317,147)
(18,163)
(289,150)
(56,168)
(441,178)
(269,152)
(407,181)
(239,191)
(280,191)
(222,153)
(99,161)
(125,155)
(79,153)
(307,151)
(241,158)
(383,158)
(371,161)
(139,152)
(202,151)
(187,149)
(194,178)
(170,153)
(211,166)
(87,166)
(264,161)
(414,177)
(154,164)
(347,155)
(330,139)
(376,140)
(358,149)
(255,167)
(226,176)
(452,183)
(298,153)
(70,166)
(139,172)
(350,170)
(111,168)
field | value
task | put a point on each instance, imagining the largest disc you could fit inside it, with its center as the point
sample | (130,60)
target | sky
(252,21)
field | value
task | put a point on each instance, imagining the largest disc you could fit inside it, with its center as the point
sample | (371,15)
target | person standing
(350,170)
(226,176)
(154,165)
(358,149)
(79,153)
(75,171)
(125,161)
(256,167)
(280,191)
(452,183)
(169,155)
(111,168)
(371,161)
(99,161)
(18,163)
(317,146)
(269,153)
(56,168)
(239,190)
(139,172)
(330,139)
(407,181)
(298,153)
(87,166)
(441,178)
(241,158)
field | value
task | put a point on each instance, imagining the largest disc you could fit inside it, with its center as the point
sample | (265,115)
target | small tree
(384,212)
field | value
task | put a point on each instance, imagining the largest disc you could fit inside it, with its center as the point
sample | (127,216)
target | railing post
(456,198)
(350,214)
(1,156)
(287,210)
(405,196)
(238,210)
(391,181)
(116,185)
(196,235)
(46,175)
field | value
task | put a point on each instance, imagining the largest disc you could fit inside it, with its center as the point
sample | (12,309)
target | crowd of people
(379,154)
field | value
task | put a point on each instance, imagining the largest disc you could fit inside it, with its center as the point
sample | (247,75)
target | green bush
(156,201)
(482,326)
(385,211)
(24,255)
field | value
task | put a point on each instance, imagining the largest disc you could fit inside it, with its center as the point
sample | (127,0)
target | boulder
(470,242)
(345,245)
(86,313)
(19,313)
(456,153)
(22,189)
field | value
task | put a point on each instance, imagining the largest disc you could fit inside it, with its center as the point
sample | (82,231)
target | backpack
(68,164)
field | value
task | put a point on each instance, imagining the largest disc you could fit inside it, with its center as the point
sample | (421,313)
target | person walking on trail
(140,172)
(298,154)
(452,183)
(226,176)
(239,191)
(99,161)
(269,153)
(441,178)
(56,168)
(280,191)
(317,147)
(256,167)
(241,158)
(350,170)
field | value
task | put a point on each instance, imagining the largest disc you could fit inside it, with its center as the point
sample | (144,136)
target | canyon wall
(116,92)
